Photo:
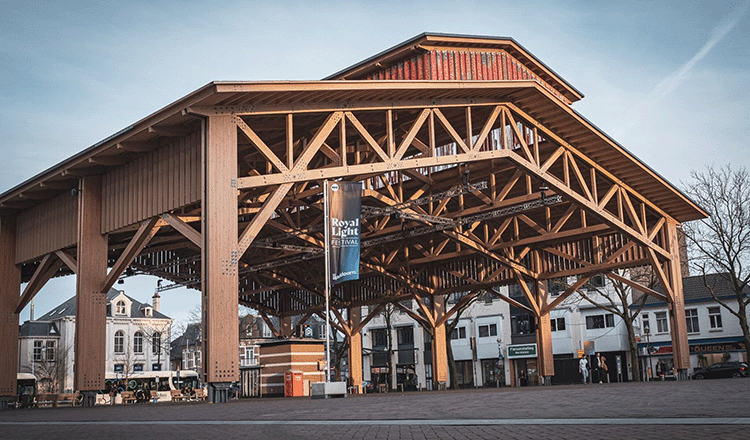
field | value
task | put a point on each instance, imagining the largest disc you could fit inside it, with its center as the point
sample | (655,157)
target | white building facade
(494,344)
(714,333)
(138,338)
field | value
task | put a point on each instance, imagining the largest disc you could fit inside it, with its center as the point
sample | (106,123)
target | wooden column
(439,352)
(545,362)
(680,346)
(10,286)
(219,281)
(91,303)
(286,329)
(355,348)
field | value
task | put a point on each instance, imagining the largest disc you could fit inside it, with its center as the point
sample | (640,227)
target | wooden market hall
(476,173)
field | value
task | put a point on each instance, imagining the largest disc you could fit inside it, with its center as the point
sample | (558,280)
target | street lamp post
(647,332)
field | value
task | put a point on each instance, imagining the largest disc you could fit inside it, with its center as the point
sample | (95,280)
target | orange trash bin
(294,386)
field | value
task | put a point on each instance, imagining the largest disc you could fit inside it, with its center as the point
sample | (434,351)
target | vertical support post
(439,351)
(545,359)
(355,348)
(286,327)
(91,302)
(680,346)
(219,257)
(10,286)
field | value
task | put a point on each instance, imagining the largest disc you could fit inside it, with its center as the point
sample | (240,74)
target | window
(557,324)
(609,320)
(155,343)
(714,318)
(137,367)
(405,335)
(600,321)
(487,330)
(458,333)
(691,319)
(557,286)
(646,324)
(595,321)
(595,282)
(138,342)
(379,337)
(661,322)
(247,356)
(38,351)
(120,310)
(119,342)
(522,324)
(147,312)
(49,354)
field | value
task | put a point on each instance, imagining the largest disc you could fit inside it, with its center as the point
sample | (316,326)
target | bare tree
(720,244)
(338,351)
(449,327)
(52,368)
(625,303)
(387,314)
(157,335)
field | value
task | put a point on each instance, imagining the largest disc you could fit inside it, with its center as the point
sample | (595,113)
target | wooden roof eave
(83,159)
(549,108)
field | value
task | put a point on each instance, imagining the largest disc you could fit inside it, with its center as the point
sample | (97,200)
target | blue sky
(669,80)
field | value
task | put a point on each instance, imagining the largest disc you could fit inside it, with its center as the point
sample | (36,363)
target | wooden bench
(177,395)
(44,400)
(154,396)
(127,397)
(199,394)
(65,399)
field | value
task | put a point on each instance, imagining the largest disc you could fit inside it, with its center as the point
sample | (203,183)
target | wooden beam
(183,228)
(46,269)
(637,286)
(145,232)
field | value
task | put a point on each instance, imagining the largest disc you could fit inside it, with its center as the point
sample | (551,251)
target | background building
(138,338)
(714,334)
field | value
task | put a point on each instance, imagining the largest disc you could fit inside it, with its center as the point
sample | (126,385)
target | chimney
(155,301)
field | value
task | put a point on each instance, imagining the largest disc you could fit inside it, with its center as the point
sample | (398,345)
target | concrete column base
(89,399)
(218,392)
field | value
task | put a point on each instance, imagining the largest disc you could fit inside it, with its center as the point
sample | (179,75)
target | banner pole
(327,251)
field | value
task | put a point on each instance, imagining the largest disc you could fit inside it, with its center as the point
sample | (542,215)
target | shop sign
(522,351)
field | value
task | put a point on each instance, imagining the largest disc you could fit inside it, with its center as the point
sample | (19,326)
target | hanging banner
(344,206)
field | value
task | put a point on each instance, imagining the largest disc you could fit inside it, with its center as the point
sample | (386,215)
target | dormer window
(148,312)
(120,308)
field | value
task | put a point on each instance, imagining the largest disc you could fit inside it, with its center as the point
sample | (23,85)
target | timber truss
(494,236)
(537,207)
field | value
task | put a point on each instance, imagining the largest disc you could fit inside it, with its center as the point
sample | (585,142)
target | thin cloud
(674,79)
(671,82)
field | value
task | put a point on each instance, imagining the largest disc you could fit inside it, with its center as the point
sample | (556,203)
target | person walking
(583,368)
(604,368)
(661,369)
